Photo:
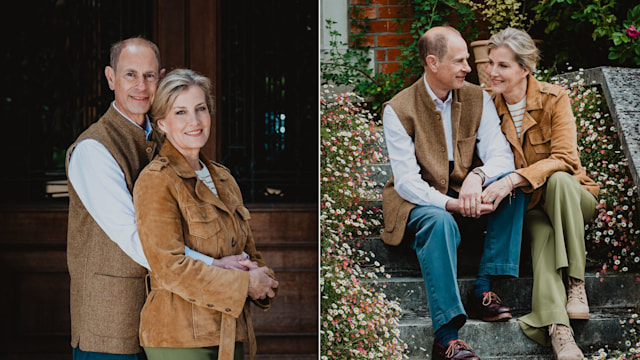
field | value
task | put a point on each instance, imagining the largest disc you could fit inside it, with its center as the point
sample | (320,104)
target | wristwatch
(479,172)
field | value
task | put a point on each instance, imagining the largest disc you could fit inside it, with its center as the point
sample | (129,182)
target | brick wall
(384,35)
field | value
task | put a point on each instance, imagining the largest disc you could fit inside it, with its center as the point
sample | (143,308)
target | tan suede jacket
(548,142)
(191,304)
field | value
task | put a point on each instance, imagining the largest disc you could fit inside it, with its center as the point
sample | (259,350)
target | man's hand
(261,285)
(469,199)
(235,262)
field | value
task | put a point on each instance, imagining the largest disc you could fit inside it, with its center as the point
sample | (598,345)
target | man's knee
(429,217)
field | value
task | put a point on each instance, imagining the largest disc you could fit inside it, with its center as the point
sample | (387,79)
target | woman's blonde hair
(525,50)
(172,85)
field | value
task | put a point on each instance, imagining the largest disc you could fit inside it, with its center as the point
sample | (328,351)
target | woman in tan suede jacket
(538,122)
(195,310)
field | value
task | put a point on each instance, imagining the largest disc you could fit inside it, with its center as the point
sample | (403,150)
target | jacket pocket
(540,140)
(202,220)
(243,216)
(466,147)
(114,304)
(206,322)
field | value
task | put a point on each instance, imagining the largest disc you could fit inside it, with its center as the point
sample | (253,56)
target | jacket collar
(182,168)
(534,102)
(534,98)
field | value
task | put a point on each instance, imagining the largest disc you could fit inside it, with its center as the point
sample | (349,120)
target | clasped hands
(474,202)
(261,285)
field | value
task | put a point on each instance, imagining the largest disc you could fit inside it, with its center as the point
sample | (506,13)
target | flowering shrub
(631,342)
(626,45)
(357,319)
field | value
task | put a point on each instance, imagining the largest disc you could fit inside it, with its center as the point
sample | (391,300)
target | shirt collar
(146,126)
(436,99)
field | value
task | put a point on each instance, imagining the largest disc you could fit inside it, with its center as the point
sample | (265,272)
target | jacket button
(443,181)
(442,149)
(149,150)
(210,305)
(227,310)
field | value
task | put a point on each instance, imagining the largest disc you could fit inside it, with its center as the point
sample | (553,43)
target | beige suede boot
(577,305)
(564,346)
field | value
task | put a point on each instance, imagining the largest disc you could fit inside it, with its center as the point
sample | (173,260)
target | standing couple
(160,251)
(529,183)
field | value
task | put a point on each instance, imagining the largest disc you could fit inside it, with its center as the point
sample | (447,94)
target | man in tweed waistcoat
(437,130)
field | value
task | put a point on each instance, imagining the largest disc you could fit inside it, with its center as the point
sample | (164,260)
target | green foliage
(598,18)
(501,14)
(626,41)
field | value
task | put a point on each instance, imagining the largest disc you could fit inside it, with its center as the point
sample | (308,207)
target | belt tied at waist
(227,327)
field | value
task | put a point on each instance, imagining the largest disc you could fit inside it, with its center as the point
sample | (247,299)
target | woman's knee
(560,179)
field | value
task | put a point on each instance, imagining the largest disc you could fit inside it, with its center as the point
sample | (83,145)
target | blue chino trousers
(436,236)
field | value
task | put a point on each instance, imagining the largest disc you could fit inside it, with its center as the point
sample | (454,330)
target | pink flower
(632,32)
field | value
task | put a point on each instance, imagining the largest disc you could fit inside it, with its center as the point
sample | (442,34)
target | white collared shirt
(100,184)
(492,148)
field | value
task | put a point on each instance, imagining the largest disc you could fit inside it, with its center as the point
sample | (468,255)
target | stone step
(610,292)
(505,340)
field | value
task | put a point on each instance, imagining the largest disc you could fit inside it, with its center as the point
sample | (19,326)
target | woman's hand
(235,262)
(498,190)
(261,285)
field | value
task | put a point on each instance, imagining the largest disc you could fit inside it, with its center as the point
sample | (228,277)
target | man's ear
(162,73)
(432,61)
(110,74)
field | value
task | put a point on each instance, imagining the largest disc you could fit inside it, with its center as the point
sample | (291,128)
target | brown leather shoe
(489,307)
(456,349)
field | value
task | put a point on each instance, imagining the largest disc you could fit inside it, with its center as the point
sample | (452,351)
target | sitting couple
(530,184)
(178,216)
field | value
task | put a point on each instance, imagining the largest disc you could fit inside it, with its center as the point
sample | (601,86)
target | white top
(100,184)
(517,114)
(492,148)
(205,176)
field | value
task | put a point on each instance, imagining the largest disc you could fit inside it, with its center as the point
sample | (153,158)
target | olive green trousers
(206,353)
(556,234)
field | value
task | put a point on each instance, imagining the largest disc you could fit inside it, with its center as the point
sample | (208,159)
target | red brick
(379,2)
(378,26)
(388,68)
(395,12)
(354,28)
(367,40)
(393,54)
(381,55)
(397,2)
(358,2)
(404,27)
(392,40)
(362,12)
(384,26)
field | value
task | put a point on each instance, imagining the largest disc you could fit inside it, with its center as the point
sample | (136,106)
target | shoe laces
(488,297)
(576,290)
(562,334)
(454,345)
